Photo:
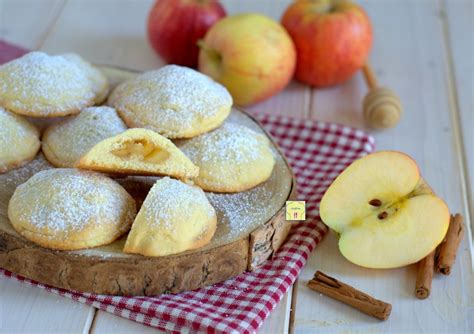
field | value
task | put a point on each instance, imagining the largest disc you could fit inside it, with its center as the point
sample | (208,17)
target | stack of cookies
(168,123)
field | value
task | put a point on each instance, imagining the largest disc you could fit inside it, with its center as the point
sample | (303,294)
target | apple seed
(375,202)
(382,215)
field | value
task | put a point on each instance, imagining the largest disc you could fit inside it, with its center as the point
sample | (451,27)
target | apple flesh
(332,38)
(250,54)
(174,27)
(386,215)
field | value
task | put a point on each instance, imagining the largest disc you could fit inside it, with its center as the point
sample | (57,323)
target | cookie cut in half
(40,85)
(232,158)
(139,152)
(19,141)
(65,142)
(174,101)
(175,217)
(69,209)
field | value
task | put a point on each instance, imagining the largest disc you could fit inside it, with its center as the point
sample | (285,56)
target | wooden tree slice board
(251,227)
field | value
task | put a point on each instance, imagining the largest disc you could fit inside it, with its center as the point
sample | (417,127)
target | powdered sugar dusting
(14,128)
(230,158)
(240,213)
(170,200)
(171,100)
(231,143)
(42,84)
(70,140)
(99,82)
(9,181)
(68,201)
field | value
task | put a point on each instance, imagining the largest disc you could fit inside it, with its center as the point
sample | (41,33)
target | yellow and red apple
(385,214)
(250,54)
(174,27)
(332,38)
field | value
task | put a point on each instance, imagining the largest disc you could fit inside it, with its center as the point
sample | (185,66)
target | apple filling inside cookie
(139,152)
(142,150)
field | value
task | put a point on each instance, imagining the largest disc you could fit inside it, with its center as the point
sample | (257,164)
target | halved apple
(386,215)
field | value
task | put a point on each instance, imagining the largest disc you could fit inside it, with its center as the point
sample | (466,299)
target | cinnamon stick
(447,250)
(342,292)
(424,276)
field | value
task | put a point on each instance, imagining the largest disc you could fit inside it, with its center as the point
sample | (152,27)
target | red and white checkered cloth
(318,152)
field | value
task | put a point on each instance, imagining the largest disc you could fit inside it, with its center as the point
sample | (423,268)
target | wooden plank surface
(27,22)
(410,59)
(459,24)
(105,32)
(27,309)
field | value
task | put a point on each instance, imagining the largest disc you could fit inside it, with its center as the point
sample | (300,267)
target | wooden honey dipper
(382,107)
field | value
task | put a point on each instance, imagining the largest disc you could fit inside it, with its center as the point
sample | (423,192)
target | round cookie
(64,143)
(231,158)
(174,101)
(69,209)
(100,83)
(40,85)
(19,141)
(174,217)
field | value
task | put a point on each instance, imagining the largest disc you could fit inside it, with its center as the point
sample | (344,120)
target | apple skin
(175,26)
(250,54)
(332,38)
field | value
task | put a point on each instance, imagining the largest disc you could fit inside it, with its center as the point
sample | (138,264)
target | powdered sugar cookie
(64,143)
(70,209)
(40,85)
(100,83)
(19,141)
(174,101)
(139,152)
(231,158)
(174,217)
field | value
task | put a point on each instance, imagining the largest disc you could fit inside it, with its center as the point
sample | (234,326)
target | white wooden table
(424,50)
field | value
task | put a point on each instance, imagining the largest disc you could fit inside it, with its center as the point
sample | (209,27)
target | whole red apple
(332,38)
(174,26)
